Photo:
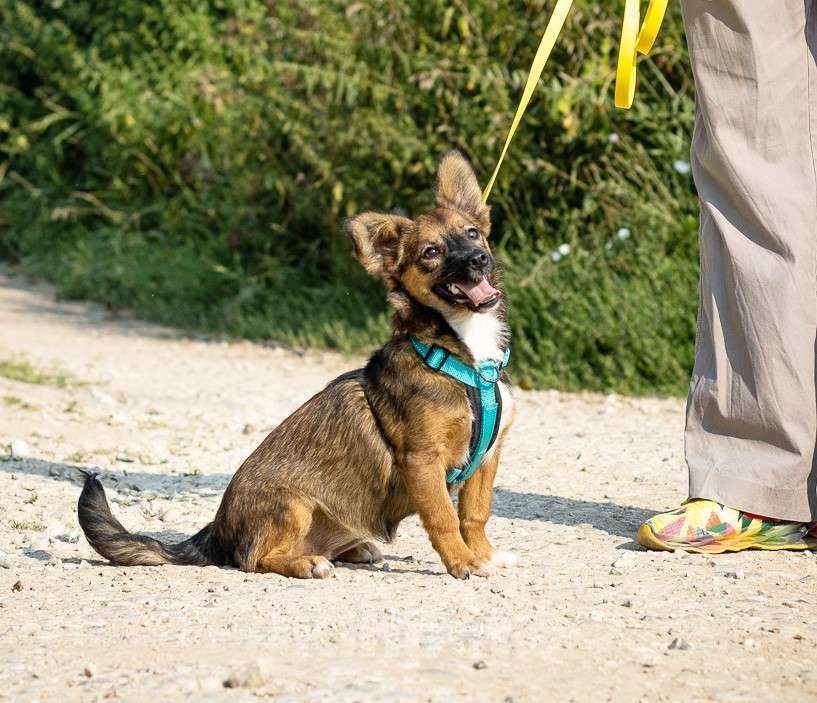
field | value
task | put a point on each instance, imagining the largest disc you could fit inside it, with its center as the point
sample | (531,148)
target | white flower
(564,249)
(555,257)
(613,138)
(623,234)
(681,167)
(609,245)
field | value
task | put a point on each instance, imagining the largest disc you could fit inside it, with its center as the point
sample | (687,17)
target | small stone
(87,672)
(169,515)
(102,396)
(18,586)
(386,567)
(250,676)
(624,561)
(678,643)
(69,537)
(627,604)
(20,447)
(249,429)
(478,665)
(738,575)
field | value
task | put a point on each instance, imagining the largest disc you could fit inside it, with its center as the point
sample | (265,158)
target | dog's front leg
(475,498)
(424,477)
(474,501)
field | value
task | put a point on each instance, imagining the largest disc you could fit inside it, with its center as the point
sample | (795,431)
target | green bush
(193,161)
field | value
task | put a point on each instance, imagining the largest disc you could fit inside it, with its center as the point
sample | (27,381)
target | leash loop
(635,40)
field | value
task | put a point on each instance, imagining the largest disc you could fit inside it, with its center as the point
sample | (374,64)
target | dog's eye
(431,252)
(472,232)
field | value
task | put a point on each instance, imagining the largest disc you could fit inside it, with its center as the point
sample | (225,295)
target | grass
(77,457)
(12,401)
(27,525)
(24,372)
(193,163)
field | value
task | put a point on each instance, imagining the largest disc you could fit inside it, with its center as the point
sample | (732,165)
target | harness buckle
(435,357)
(489,372)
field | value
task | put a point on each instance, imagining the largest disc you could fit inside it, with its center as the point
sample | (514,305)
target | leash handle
(635,40)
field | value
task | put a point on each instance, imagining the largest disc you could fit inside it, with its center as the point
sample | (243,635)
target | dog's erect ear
(376,237)
(457,187)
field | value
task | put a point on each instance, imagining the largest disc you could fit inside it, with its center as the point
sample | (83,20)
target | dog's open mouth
(480,294)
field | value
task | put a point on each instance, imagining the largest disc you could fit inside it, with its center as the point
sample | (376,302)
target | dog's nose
(479,261)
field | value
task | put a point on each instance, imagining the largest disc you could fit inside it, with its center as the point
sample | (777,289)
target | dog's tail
(108,537)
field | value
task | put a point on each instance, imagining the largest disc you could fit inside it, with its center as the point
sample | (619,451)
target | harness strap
(483,396)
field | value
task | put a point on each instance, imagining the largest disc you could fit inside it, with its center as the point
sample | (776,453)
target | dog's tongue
(479,293)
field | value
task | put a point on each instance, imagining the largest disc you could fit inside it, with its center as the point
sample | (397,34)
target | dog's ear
(457,187)
(376,237)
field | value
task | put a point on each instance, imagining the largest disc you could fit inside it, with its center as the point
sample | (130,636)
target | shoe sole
(648,539)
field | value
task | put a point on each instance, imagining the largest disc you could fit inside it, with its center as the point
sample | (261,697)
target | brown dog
(374,446)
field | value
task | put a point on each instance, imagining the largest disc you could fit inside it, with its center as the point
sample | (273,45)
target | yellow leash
(634,41)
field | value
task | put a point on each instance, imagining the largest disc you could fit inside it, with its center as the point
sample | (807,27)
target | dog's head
(441,258)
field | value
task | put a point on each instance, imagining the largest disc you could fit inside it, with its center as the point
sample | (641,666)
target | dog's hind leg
(363,553)
(279,543)
(309,567)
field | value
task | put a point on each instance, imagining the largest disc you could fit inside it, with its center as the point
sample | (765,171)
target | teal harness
(483,394)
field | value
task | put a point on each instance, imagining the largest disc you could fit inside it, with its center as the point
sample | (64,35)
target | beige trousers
(752,411)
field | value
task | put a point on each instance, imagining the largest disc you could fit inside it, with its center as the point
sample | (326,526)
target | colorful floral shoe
(708,527)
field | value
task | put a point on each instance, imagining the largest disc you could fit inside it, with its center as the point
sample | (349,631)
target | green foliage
(21,370)
(193,161)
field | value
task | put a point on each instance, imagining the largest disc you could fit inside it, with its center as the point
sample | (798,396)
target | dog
(378,443)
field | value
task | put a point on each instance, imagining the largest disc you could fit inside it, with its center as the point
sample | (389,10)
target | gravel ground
(166,419)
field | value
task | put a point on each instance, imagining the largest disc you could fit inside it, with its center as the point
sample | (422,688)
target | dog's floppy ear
(376,238)
(457,187)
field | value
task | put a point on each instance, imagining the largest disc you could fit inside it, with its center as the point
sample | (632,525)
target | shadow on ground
(617,520)
(166,485)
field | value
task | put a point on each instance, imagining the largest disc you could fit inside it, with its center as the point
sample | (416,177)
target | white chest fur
(481,333)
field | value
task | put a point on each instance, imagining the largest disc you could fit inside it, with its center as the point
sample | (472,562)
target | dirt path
(587,616)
